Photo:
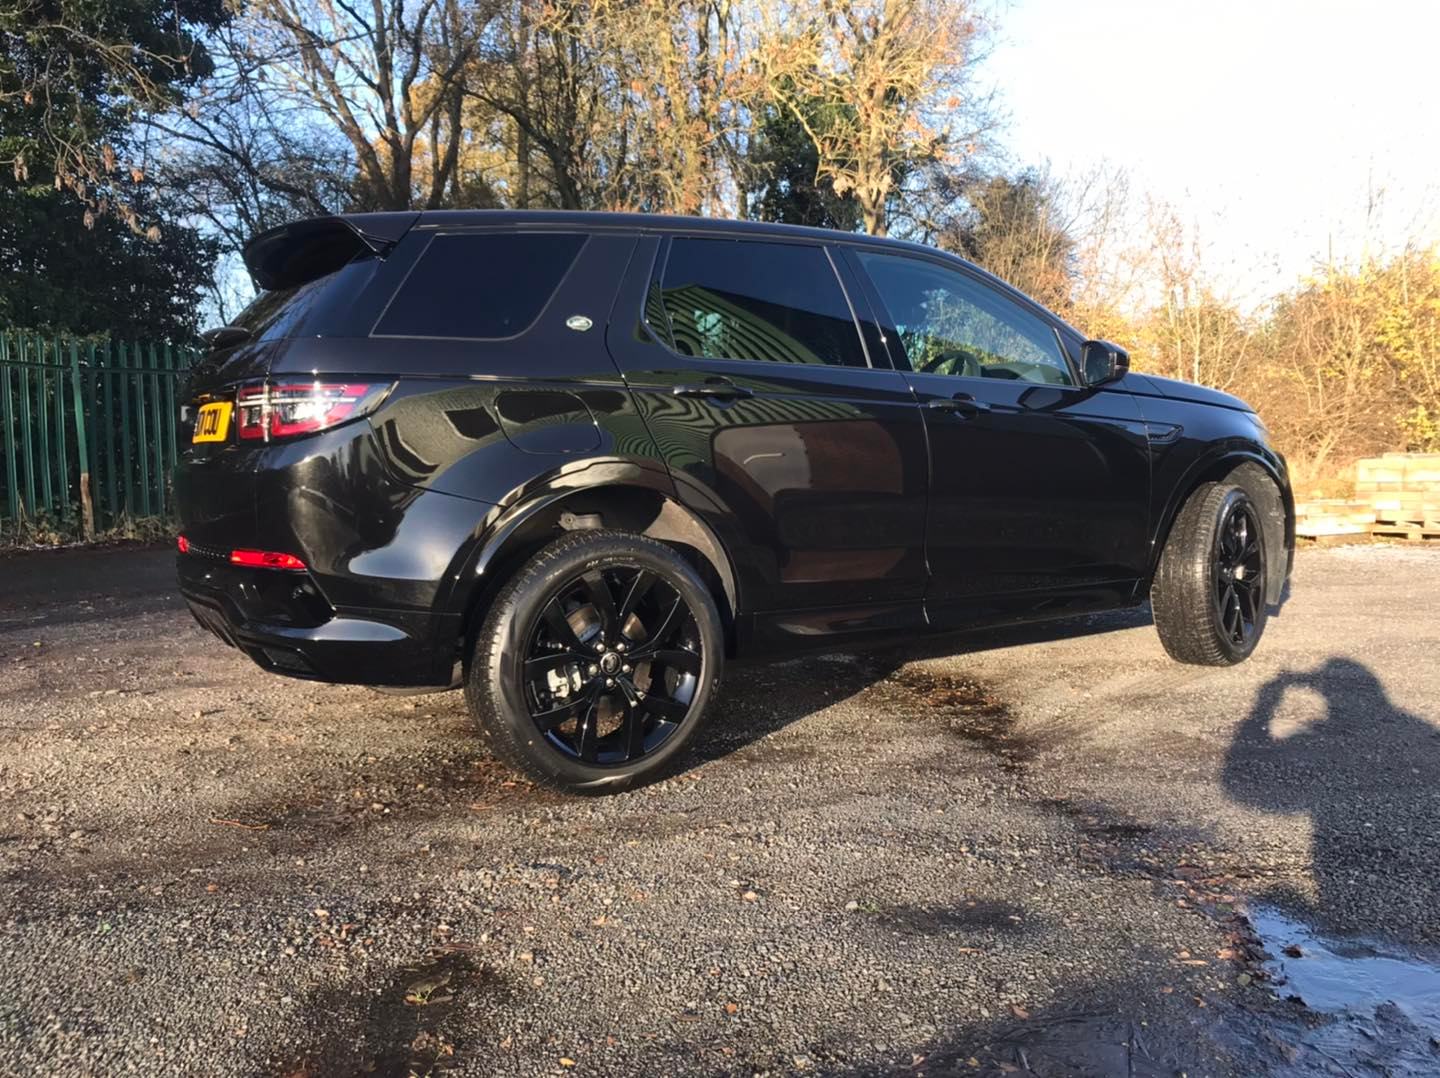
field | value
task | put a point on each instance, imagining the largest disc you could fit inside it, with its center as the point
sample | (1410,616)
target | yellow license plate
(212,424)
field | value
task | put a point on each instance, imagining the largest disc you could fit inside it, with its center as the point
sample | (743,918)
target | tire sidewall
(517,614)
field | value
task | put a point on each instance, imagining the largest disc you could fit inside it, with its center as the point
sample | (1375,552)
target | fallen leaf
(1019,1011)
(732,1008)
(566,1061)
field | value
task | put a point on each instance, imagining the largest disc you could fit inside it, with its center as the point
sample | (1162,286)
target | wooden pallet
(1395,531)
(1325,517)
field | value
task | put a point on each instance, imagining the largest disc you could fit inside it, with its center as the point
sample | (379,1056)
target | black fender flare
(475,564)
(1214,464)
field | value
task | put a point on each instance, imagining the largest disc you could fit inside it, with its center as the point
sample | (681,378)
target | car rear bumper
(278,619)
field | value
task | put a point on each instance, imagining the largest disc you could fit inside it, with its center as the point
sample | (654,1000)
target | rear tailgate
(313,274)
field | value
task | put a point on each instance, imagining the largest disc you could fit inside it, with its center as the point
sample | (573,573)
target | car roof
(390,226)
(668,222)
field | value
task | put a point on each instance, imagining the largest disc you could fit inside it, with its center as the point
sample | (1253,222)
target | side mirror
(1101,362)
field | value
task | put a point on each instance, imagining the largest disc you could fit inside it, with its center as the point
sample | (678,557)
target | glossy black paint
(827,504)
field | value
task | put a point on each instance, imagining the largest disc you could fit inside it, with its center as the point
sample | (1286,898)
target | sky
(1269,125)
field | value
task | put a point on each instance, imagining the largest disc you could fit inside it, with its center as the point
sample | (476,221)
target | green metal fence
(87,428)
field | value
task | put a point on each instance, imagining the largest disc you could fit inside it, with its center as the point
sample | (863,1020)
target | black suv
(576,461)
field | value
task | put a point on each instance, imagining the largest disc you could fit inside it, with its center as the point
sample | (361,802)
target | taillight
(183,544)
(294,408)
(265,559)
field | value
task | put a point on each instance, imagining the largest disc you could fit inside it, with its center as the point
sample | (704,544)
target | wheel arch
(1278,514)
(518,533)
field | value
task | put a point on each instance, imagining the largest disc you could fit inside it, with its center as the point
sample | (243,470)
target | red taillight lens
(183,544)
(265,559)
(295,408)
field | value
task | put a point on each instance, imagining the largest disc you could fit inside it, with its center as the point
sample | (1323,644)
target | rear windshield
(480,285)
(309,309)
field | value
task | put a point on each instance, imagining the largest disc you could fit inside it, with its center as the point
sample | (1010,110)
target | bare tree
(385,75)
(619,103)
(893,75)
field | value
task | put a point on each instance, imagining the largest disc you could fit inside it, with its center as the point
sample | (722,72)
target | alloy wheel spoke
(667,625)
(598,592)
(559,625)
(663,706)
(587,734)
(551,718)
(639,587)
(542,664)
(633,727)
(687,662)
(1246,600)
(1230,610)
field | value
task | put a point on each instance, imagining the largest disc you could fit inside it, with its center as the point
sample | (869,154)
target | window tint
(949,323)
(482,285)
(738,299)
(308,309)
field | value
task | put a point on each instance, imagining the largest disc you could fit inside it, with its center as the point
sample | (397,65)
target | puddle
(1346,976)
(1382,1005)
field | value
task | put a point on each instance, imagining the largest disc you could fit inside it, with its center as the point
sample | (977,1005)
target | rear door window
(480,285)
(746,299)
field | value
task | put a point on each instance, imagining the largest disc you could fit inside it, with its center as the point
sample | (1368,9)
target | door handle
(962,404)
(716,389)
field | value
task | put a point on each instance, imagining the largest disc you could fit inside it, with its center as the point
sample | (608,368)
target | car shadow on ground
(761,699)
(1368,769)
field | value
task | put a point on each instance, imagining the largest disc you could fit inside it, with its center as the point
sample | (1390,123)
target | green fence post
(112,499)
(127,476)
(7,422)
(82,443)
(62,442)
(7,429)
(42,409)
(157,435)
(27,432)
(170,379)
(142,439)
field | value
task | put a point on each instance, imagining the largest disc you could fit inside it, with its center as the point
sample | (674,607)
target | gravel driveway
(1018,854)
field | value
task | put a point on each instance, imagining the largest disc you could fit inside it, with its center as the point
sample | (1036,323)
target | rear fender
(626,494)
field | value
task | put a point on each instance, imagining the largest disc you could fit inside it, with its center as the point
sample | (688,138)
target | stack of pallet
(1404,491)
(1326,518)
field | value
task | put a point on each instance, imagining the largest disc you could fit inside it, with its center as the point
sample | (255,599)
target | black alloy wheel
(610,671)
(597,660)
(1240,573)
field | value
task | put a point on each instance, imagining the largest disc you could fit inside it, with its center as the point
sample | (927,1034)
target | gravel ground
(1017,854)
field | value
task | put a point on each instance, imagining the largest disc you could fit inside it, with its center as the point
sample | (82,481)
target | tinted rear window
(481,285)
(315,308)
(749,299)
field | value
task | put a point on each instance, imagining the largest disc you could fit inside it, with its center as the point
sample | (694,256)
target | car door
(749,368)
(1039,487)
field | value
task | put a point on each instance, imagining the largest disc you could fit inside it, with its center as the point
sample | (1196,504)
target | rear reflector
(183,544)
(265,559)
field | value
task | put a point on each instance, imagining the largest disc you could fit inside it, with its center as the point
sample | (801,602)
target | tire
(1208,595)
(582,696)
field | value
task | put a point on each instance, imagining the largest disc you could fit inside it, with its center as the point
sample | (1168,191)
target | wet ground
(1040,852)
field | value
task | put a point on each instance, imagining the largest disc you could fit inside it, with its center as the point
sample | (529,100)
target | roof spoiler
(304,250)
